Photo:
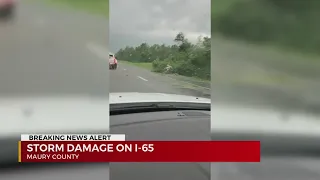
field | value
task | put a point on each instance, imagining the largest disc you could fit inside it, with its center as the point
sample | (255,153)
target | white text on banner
(73,137)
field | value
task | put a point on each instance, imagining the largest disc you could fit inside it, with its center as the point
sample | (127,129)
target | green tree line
(289,23)
(182,58)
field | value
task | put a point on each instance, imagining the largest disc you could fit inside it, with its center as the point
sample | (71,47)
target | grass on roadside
(100,7)
(192,80)
(264,68)
(147,66)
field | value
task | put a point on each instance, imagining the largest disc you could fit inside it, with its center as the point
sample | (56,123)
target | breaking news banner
(114,148)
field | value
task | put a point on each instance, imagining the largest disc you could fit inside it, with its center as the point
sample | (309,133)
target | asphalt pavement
(48,50)
(131,78)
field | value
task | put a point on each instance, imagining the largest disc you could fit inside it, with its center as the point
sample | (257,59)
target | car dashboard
(164,125)
(169,125)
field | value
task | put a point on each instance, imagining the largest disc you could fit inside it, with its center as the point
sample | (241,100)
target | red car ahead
(7,8)
(113,62)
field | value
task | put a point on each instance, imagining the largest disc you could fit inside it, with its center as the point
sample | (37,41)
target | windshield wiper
(128,108)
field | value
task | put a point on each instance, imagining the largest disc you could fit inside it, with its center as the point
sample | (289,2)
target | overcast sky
(133,22)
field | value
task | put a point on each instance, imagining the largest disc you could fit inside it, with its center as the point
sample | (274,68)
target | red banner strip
(140,151)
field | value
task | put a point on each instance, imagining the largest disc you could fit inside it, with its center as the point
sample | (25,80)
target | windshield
(159,48)
(258,61)
(265,81)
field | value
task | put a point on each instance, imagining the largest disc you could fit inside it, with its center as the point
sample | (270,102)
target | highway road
(131,78)
(48,50)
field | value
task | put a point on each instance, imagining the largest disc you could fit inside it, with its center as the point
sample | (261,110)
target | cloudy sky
(133,22)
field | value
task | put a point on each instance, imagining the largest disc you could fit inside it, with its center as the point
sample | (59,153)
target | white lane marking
(124,69)
(142,78)
(40,22)
(98,50)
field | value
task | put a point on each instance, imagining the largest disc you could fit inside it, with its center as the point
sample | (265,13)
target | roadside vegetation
(99,7)
(292,24)
(267,51)
(183,58)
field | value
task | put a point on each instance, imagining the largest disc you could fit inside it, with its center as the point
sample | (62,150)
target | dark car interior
(164,125)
